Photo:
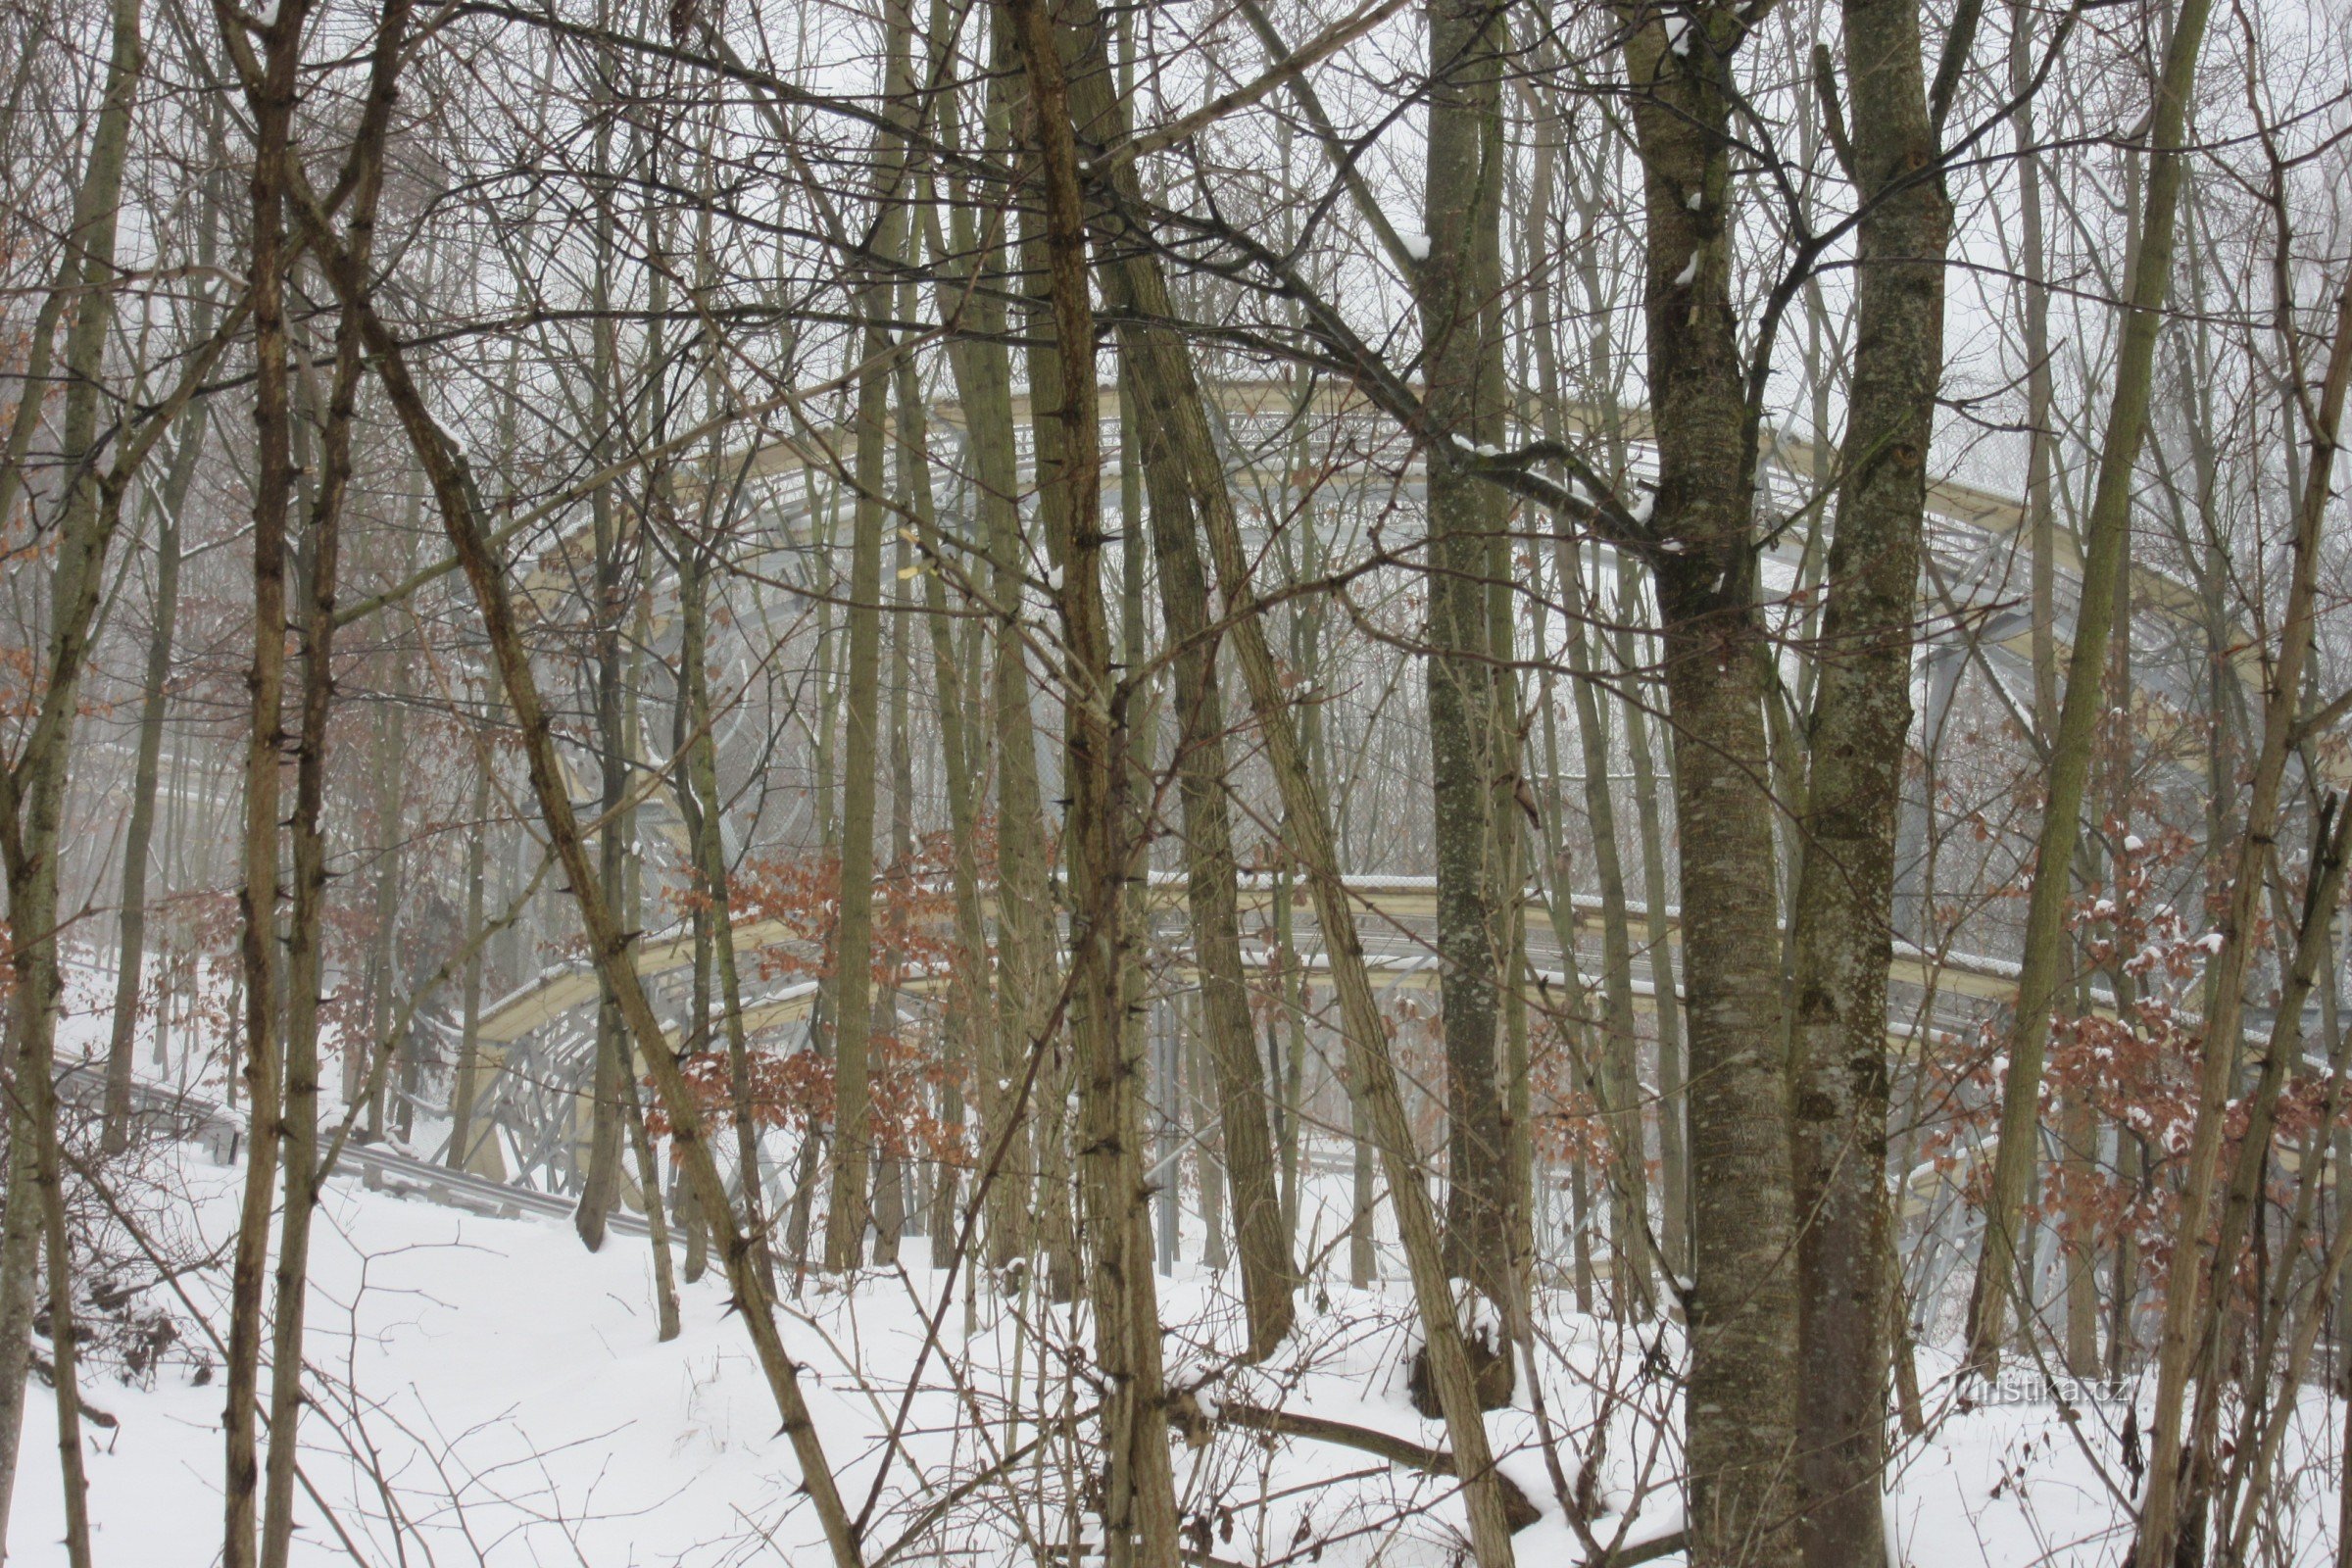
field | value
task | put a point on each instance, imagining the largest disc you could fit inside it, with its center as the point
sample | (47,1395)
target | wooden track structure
(1973,536)
(1390,906)
(1793,465)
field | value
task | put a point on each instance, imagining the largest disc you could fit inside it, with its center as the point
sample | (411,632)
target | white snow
(1690,272)
(1415,243)
(521,1412)
(489,1393)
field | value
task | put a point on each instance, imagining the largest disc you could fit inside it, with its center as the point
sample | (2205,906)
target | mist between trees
(1466,782)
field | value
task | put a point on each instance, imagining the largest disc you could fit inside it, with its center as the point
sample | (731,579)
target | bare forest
(1225,782)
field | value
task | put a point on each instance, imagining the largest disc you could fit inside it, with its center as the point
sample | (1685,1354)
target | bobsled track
(536,1044)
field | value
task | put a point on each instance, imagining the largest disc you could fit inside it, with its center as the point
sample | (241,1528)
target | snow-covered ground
(490,1392)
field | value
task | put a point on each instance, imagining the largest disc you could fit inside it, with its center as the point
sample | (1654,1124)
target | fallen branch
(89,1412)
(1185,1414)
(1188,1416)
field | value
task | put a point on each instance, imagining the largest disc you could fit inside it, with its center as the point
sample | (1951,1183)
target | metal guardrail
(188,1118)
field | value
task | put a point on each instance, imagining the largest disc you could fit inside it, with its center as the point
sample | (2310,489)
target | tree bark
(1139,1495)
(1458,290)
(1742,1394)
(273,101)
(1842,934)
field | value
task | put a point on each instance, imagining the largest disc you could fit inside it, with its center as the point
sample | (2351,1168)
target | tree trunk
(139,834)
(1674,1140)
(462,513)
(2202,1285)
(306,931)
(1025,961)
(850,1210)
(465,1096)
(1168,393)
(2106,539)
(1617,1083)
(1211,894)
(1457,289)
(1842,934)
(599,1183)
(1139,1496)
(273,101)
(1742,1394)
(964,1035)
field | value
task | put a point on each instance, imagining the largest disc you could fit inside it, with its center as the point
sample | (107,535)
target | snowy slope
(492,1392)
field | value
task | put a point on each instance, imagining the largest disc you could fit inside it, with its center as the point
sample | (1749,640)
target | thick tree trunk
(1842,934)
(1458,289)
(1741,1393)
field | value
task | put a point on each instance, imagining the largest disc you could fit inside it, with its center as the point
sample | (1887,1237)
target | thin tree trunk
(464,1098)
(390,762)
(964,1036)
(656,1220)
(1208,1161)
(2106,537)
(849,1211)
(462,516)
(1169,392)
(1674,1141)
(273,101)
(138,835)
(2199,1292)
(599,1183)
(1618,1081)
(712,872)
(1212,893)
(1139,1496)
(305,932)
(1025,963)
